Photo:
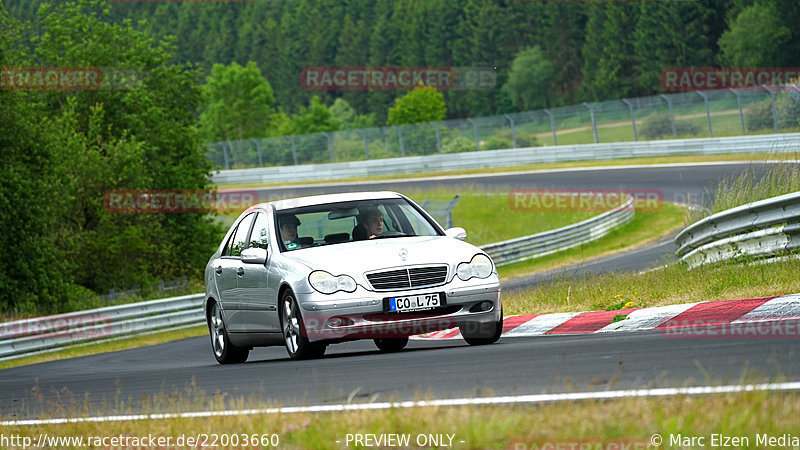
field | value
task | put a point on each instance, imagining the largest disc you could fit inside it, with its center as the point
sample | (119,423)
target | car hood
(355,258)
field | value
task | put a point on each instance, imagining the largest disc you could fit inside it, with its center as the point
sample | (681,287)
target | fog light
(334,322)
(481,307)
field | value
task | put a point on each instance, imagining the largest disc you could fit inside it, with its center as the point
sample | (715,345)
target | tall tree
(672,34)
(756,38)
(423,104)
(238,103)
(530,82)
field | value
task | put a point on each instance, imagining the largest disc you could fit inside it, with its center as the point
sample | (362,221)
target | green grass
(554,425)
(489,216)
(646,228)
(669,285)
(746,187)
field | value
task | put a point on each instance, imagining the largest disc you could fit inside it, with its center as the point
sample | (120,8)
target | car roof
(331,198)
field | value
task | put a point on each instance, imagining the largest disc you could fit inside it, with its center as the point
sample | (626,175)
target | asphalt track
(355,371)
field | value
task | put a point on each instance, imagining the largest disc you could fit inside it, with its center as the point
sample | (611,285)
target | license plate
(414,302)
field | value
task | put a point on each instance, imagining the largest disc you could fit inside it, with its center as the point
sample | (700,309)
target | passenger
(370,224)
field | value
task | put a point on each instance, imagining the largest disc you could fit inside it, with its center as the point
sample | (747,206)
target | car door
(228,269)
(258,298)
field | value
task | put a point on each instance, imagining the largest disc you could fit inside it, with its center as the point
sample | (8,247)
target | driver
(288,229)
(370,224)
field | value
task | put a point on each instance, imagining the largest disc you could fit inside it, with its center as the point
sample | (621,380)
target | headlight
(479,267)
(328,284)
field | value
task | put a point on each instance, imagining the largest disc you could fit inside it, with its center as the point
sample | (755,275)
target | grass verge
(645,228)
(533,167)
(665,286)
(750,415)
(109,346)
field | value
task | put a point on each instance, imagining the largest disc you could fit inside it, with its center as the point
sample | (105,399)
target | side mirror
(254,255)
(456,233)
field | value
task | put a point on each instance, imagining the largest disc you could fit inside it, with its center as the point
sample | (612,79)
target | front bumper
(361,315)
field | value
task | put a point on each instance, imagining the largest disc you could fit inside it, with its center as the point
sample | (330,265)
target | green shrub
(658,126)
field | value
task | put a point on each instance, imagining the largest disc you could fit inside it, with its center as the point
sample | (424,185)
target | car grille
(408,278)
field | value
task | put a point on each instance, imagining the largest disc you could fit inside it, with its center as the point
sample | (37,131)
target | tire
(390,345)
(297,344)
(483,334)
(224,351)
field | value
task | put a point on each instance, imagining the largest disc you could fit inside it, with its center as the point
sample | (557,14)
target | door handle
(240,271)
(218,270)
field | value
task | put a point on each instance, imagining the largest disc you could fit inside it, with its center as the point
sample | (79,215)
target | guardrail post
(774,107)
(633,119)
(258,150)
(224,154)
(366,145)
(330,144)
(438,138)
(400,138)
(741,113)
(294,149)
(552,125)
(450,207)
(671,115)
(594,121)
(513,130)
(708,113)
(475,132)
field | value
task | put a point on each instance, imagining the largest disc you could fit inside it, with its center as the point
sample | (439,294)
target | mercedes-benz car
(313,271)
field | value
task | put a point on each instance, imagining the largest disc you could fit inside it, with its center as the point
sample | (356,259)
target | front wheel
(294,334)
(224,351)
(481,333)
(389,345)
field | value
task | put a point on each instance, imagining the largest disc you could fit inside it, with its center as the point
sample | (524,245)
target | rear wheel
(483,333)
(294,334)
(389,345)
(224,351)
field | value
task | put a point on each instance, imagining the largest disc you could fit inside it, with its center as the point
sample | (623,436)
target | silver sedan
(314,271)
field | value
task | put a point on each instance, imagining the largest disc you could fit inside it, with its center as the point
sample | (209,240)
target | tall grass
(749,187)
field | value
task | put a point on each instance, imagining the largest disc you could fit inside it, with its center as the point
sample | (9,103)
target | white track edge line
(534,398)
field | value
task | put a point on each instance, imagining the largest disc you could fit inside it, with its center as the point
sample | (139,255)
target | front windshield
(337,223)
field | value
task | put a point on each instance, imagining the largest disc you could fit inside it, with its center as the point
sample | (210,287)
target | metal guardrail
(542,244)
(441,209)
(40,334)
(764,228)
(772,143)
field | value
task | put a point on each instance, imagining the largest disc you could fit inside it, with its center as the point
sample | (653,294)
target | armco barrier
(541,244)
(777,143)
(43,333)
(26,336)
(768,227)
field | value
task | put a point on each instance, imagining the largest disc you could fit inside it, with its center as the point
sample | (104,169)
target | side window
(227,250)
(240,237)
(260,232)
